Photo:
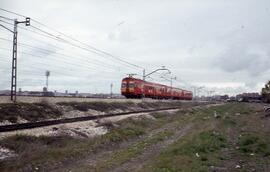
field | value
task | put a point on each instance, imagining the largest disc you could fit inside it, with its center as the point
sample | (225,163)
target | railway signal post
(13,89)
(14,58)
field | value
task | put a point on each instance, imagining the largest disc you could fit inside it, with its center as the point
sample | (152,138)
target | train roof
(136,79)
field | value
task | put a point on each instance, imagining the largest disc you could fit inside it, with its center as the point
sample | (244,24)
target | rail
(30,125)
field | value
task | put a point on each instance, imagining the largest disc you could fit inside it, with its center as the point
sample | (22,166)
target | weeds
(45,149)
(98,106)
(212,141)
(28,111)
(253,144)
(110,106)
(44,110)
(133,151)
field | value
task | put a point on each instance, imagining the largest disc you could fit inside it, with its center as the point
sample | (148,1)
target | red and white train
(137,88)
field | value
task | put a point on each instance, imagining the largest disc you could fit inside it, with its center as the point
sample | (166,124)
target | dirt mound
(24,112)
(28,111)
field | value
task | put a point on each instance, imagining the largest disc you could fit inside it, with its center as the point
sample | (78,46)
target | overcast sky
(223,45)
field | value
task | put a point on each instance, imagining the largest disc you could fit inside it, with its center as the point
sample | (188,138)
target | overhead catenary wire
(87,49)
(92,47)
(91,61)
(6,27)
(6,22)
(89,46)
(50,36)
(60,60)
(6,18)
(11,12)
(77,54)
(63,39)
(56,38)
(62,67)
(39,73)
(104,74)
(53,37)
(45,64)
(61,55)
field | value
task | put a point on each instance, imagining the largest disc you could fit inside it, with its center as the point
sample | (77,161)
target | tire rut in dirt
(138,162)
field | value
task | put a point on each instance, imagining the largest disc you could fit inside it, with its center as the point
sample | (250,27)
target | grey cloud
(239,58)
(202,42)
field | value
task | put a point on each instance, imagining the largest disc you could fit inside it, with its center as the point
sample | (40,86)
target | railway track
(30,125)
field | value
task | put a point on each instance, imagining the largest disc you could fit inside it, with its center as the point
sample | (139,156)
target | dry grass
(221,136)
(31,112)
(236,136)
(44,110)
(41,151)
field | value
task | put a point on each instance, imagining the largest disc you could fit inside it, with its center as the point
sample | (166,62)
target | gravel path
(101,155)
(138,162)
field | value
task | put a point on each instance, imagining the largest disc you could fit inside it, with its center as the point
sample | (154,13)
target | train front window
(124,85)
(131,85)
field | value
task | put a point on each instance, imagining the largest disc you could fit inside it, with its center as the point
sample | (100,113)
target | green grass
(109,106)
(212,137)
(56,149)
(205,142)
(43,110)
(181,156)
(254,144)
(130,152)
(99,106)
(215,140)
(226,109)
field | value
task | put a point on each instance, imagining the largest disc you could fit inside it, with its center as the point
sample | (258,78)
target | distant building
(220,97)
(4,92)
(248,97)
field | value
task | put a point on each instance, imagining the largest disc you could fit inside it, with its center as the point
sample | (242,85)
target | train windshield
(131,85)
(124,85)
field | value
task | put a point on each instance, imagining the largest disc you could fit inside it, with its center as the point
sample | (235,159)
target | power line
(42,58)
(12,12)
(41,70)
(48,33)
(57,47)
(67,42)
(6,26)
(92,47)
(99,53)
(7,22)
(45,64)
(89,46)
(44,33)
(85,46)
(61,67)
(45,51)
(51,36)
(58,39)
(6,18)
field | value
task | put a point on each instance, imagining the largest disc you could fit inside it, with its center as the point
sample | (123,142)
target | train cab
(131,87)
